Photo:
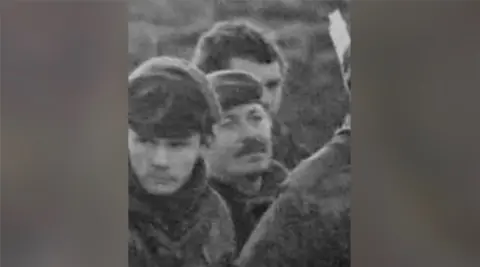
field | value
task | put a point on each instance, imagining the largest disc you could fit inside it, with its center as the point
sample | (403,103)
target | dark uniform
(248,195)
(286,149)
(309,223)
(192,226)
(246,209)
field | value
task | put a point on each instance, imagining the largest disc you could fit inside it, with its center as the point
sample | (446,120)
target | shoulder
(217,211)
(222,231)
(333,157)
(278,168)
(215,199)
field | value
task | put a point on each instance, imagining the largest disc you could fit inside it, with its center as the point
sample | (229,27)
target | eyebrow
(186,140)
(272,82)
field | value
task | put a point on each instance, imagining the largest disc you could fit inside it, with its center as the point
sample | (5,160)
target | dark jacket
(309,223)
(286,149)
(191,228)
(246,209)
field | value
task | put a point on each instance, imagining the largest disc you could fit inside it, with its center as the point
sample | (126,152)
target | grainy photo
(239,133)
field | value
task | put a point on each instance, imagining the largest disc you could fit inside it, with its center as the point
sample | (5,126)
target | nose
(266,97)
(248,130)
(160,158)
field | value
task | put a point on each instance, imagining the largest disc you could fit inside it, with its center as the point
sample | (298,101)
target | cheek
(272,94)
(225,139)
(136,149)
(278,93)
(265,129)
(139,158)
(267,97)
(221,150)
(182,161)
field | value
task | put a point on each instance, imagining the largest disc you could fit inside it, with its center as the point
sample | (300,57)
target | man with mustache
(175,218)
(240,162)
(242,45)
(309,223)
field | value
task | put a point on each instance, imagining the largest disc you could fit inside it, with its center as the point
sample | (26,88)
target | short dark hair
(234,88)
(170,98)
(235,38)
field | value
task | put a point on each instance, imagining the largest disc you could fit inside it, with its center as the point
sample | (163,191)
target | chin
(163,189)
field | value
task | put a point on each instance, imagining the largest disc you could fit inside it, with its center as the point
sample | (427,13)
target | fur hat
(169,97)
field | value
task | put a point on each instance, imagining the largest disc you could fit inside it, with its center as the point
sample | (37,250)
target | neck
(245,183)
(182,199)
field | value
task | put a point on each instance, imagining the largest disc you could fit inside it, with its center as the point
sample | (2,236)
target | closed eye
(177,143)
(272,84)
(227,122)
(256,117)
(145,140)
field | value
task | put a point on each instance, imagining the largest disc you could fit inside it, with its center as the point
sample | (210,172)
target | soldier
(241,166)
(309,223)
(241,45)
(175,218)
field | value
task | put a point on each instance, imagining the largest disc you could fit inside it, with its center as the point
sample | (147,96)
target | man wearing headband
(240,157)
(175,218)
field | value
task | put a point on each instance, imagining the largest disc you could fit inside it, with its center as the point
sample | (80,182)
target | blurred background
(314,102)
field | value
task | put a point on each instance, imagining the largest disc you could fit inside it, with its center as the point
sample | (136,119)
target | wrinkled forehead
(264,72)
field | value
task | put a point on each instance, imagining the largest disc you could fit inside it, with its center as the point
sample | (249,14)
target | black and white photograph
(239,133)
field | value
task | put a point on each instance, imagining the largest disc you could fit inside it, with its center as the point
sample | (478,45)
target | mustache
(252,145)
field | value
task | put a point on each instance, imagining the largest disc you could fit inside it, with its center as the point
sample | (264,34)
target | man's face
(270,76)
(242,142)
(163,166)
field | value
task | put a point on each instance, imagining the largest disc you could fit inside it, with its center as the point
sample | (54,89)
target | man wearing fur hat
(175,218)
(240,157)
